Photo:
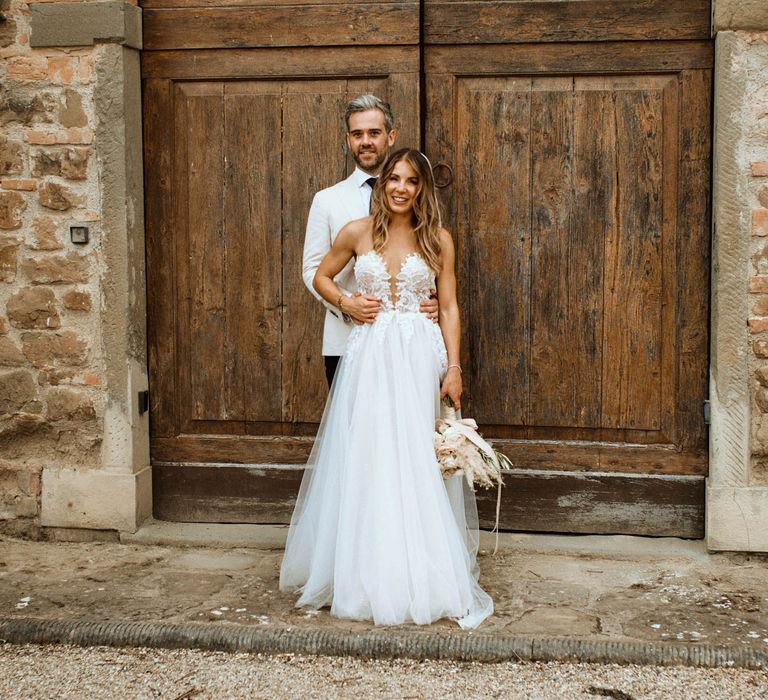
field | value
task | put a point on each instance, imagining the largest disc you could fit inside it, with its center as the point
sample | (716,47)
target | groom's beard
(371,167)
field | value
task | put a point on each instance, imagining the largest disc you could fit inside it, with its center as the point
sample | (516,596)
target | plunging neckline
(383,261)
(393,280)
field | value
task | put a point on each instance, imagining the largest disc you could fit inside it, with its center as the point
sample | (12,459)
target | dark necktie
(371,182)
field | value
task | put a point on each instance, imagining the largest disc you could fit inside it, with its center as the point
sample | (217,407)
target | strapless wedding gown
(377,534)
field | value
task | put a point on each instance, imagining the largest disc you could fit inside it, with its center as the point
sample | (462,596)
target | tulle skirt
(377,534)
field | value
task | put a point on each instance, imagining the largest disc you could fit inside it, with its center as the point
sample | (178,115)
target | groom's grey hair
(365,102)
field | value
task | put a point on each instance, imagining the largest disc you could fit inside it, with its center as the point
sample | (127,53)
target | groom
(370,135)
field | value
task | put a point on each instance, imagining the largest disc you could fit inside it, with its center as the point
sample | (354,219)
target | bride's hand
(452,387)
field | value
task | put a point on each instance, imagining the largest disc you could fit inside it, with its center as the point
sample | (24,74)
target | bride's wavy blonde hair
(426,209)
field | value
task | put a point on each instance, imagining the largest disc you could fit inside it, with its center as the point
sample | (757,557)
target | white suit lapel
(350,199)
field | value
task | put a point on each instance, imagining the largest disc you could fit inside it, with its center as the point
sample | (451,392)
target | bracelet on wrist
(340,303)
(458,367)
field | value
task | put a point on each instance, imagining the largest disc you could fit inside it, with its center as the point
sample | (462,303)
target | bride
(377,533)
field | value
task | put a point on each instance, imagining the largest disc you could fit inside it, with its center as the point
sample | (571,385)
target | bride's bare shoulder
(356,233)
(446,240)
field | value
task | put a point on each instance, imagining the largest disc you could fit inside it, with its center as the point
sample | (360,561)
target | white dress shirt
(363,187)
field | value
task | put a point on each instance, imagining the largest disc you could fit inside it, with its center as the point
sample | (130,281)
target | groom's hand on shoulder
(362,308)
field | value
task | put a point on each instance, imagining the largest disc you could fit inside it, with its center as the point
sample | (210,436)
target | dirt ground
(623,588)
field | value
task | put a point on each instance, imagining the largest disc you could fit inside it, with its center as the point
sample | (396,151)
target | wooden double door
(571,141)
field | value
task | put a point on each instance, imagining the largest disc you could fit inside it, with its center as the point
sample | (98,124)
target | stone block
(8,254)
(19,493)
(760,347)
(760,307)
(17,390)
(759,168)
(59,197)
(760,222)
(761,399)
(42,137)
(95,498)
(46,349)
(762,196)
(27,106)
(56,269)
(71,112)
(55,377)
(33,307)
(62,69)
(77,300)
(10,156)
(761,374)
(65,403)
(71,163)
(7,31)
(760,441)
(736,518)
(85,23)
(10,355)
(26,68)
(12,207)
(44,234)
(739,14)
(760,260)
(19,184)
(757,324)
(758,284)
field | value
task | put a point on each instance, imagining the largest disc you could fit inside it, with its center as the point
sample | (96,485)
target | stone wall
(737,492)
(55,384)
(755,166)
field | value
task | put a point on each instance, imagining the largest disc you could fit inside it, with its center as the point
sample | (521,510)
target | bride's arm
(361,308)
(450,321)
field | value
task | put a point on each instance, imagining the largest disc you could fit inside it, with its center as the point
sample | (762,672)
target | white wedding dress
(377,533)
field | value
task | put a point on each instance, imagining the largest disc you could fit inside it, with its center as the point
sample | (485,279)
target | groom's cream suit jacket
(331,209)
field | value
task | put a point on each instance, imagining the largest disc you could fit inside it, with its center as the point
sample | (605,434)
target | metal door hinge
(707,413)
(143,401)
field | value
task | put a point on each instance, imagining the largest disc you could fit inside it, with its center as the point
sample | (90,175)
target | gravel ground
(65,672)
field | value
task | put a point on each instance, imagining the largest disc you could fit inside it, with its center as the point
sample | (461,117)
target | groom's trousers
(331,363)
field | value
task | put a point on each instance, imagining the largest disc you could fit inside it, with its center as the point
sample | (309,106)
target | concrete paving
(583,588)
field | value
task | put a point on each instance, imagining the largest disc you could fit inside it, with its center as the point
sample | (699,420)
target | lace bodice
(401,298)
(412,284)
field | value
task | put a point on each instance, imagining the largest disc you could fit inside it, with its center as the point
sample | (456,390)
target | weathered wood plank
(539,501)
(693,211)
(158,216)
(598,58)
(660,506)
(279,63)
(297,5)
(313,158)
(402,90)
(240,449)
(516,21)
(224,493)
(253,247)
(493,225)
(670,186)
(632,328)
(205,355)
(554,388)
(593,192)
(602,457)
(308,25)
